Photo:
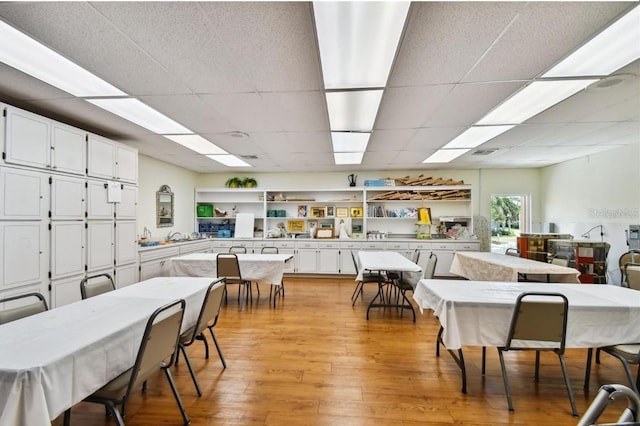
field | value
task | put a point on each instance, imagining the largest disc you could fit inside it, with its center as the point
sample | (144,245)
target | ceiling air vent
(249,157)
(484,151)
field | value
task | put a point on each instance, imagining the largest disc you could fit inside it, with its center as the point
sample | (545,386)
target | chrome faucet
(146,233)
(172,235)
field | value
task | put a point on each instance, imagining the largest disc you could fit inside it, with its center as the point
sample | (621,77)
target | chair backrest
(237,249)
(539,317)
(416,256)
(210,308)
(159,342)
(632,256)
(25,305)
(632,274)
(269,250)
(355,261)
(430,270)
(228,267)
(96,284)
(512,252)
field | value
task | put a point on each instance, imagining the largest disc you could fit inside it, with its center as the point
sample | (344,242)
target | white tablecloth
(478,313)
(487,266)
(55,359)
(373,261)
(261,268)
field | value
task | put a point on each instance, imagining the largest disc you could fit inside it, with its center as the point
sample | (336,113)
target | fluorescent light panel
(533,99)
(196,143)
(348,157)
(354,110)
(229,160)
(613,48)
(349,141)
(477,135)
(445,155)
(358,41)
(141,114)
(25,54)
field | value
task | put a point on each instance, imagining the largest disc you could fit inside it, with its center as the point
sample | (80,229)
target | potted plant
(249,182)
(233,182)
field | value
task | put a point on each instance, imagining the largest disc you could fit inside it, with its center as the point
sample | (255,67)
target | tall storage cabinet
(56,222)
(588,257)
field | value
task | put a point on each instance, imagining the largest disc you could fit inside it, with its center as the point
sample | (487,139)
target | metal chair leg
(176,395)
(215,341)
(567,383)
(193,374)
(505,378)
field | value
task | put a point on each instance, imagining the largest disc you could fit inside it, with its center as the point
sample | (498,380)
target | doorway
(509,217)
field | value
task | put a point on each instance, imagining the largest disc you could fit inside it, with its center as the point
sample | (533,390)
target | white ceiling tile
(521,134)
(565,134)
(433,137)
(247,112)
(409,107)
(389,140)
(298,111)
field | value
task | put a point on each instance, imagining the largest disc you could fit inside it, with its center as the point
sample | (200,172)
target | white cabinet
(221,246)
(23,254)
(445,252)
(399,247)
(67,249)
(126,242)
(126,275)
(68,196)
(306,257)
(35,141)
(328,257)
(127,207)
(346,260)
(195,247)
(155,262)
(65,291)
(100,251)
(110,160)
(98,205)
(28,138)
(23,195)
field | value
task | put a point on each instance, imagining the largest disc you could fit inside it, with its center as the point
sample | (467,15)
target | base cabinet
(65,291)
(23,254)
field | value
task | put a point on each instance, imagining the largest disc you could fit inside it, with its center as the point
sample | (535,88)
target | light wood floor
(315,360)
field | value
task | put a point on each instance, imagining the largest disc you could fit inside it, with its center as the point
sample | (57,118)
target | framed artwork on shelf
(342,212)
(317,212)
(295,226)
(324,233)
(356,211)
(302,211)
(329,211)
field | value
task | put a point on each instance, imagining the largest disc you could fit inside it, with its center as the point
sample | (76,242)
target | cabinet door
(329,261)
(68,149)
(67,248)
(65,291)
(68,196)
(126,163)
(154,268)
(23,194)
(98,205)
(28,138)
(126,275)
(126,208)
(99,245)
(23,254)
(101,155)
(307,260)
(126,242)
(346,262)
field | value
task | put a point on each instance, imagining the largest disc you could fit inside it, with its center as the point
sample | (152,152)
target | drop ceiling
(220,68)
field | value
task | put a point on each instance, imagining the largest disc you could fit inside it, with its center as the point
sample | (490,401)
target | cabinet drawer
(396,246)
(306,245)
(443,246)
(468,247)
(195,247)
(159,254)
(351,246)
(328,245)
(373,245)
(284,244)
(222,244)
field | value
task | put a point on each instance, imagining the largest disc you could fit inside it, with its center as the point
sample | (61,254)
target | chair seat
(630,352)
(115,389)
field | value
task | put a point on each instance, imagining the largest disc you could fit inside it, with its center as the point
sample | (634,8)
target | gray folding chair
(273,250)
(632,275)
(560,261)
(228,268)
(367,278)
(96,284)
(242,250)
(632,256)
(538,318)
(22,306)
(512,252)
(208,314)
(159,344)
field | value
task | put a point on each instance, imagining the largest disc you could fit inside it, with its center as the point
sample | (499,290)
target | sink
(149,244)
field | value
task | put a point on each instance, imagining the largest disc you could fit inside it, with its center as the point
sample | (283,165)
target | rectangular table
(261,268)
(488,266)
(55,359)
(382,262)
(478,313)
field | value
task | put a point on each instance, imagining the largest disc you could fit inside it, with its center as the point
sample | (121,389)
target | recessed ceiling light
(348,157)
(353,110)
(349,141)
(477,135)
(229,160)
(445,155)
(142,114)
(196,143)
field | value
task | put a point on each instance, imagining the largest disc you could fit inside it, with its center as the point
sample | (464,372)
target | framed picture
(317,211)
(302,211)
(295,226)
(324,233)
(356,211)
(342,212)
(329,211)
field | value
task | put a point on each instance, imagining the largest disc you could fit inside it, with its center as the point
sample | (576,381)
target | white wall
(601,189)
(152,174)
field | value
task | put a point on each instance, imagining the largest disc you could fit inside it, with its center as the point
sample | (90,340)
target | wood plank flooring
(315,360)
